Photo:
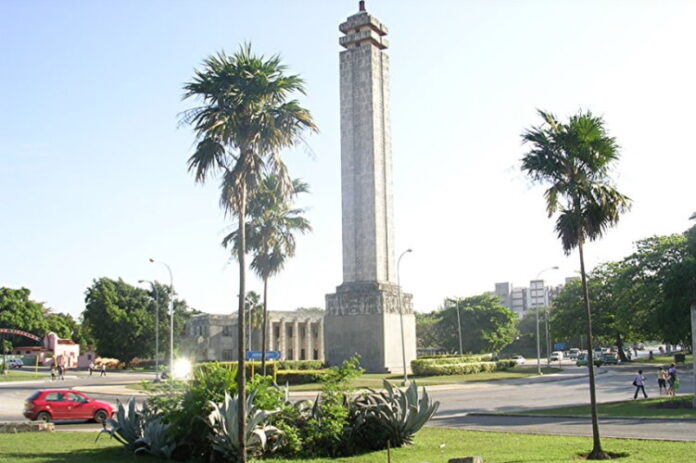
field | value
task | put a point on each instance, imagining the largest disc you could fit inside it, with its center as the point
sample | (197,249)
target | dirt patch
(676,403)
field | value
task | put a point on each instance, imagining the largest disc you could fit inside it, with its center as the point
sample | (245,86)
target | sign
(257,354)
(20,333)
(559,346)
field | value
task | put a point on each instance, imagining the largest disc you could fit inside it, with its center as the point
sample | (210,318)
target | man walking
(639,383)
(103,370)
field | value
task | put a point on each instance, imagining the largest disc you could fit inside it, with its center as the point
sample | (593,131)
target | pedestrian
(91,367)
(53,372)
(671,379)
(103,369)
(639,383)
(662,380)
(61,372)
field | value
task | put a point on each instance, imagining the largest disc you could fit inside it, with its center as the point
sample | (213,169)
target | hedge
(300,365)
(298,376)
(434,369)
(455,359)
(472,357)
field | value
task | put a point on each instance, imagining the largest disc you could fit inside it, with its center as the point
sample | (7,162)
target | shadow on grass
(115,455)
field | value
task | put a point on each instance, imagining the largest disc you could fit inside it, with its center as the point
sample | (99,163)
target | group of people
(667,381)
(58,371)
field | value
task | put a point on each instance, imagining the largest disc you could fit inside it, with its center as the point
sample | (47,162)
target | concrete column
(295,340)
(308,339)
(281,339)
(320,339)
(269,336)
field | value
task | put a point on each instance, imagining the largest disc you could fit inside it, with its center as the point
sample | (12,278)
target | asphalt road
(462,406)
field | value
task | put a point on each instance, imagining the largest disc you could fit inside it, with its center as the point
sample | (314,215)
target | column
(295,339)
(309,350)
(320,339)
(281,339)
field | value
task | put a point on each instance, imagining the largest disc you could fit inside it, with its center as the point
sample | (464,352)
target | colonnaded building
(297,335)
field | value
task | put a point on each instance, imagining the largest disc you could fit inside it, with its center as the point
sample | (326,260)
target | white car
(15,363)
(519,360)
(556,356)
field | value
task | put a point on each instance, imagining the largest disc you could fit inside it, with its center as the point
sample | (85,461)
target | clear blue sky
(93,176)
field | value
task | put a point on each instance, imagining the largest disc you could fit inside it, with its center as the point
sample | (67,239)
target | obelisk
(363,315)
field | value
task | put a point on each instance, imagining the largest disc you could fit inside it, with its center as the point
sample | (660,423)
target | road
(460,405)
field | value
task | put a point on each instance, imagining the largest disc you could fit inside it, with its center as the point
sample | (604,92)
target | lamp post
(555,267)
(401,314)
(171,313)
(154,288)
(459,326)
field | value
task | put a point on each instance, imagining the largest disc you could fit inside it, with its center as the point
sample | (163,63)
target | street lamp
(171,312)
(154,288)
(555,267)
(459,326)
(401,314)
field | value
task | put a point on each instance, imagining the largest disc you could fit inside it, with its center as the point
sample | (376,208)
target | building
(522,299)
(297,335)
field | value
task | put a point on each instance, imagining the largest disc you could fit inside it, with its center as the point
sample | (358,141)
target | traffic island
(13,427)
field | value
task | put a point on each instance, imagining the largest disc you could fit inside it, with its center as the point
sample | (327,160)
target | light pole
(154,288)
(401,314)
(555,267)
(171,314)
(459,326)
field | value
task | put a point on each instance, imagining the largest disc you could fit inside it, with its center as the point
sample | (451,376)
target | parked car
(556,356)
(609,359)
(65,404)
(519,360)
(573,353)
(582,360)
(15,363)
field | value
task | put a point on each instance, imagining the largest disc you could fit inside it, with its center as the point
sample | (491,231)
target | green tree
(245,119)
(18,311)
(486,324)
(427,331)
(121,318)
(575,159)
(254,314)
(271,235)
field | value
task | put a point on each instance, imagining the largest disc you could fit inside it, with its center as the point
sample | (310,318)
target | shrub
(299,376)
(434,369)
(300,365)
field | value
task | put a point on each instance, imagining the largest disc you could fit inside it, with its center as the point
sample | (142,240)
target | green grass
(644,408)
(664,359)
(431,445)
(21,375)
(374,380)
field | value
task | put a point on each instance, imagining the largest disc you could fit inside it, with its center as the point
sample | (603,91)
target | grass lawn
(431,445)
(374,380)
(644,408)
(21,375)
(664,359)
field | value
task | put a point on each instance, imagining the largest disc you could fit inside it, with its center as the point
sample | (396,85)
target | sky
(93,175)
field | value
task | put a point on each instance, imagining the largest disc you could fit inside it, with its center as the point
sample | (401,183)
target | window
(276,331)
(290,356)
(227,330)
(302,354)
(302,332)
(316,354)
(289,331)
(72,397)
(54,397)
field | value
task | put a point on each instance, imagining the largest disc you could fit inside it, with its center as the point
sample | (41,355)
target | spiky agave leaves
(224,435)
(126,426)
(156,440)
(393,414)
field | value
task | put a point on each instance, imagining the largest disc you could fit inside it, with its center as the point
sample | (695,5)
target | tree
(486,324)
(575,159)
(121,318)
(245,119)
(18,311)
(271,235)
(254,311)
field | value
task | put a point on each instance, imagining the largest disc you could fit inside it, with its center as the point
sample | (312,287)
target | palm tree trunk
(241,367)
(265,325)
(597,453)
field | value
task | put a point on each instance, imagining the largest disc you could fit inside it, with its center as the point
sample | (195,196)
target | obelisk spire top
(361,5)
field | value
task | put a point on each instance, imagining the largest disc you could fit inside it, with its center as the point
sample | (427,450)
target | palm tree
(245,119)
(254,310)
(271,235)
(575,159)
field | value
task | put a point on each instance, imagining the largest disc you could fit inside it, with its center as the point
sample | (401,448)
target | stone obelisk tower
(364,315)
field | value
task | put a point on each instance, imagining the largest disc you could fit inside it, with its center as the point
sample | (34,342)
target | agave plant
(126,426)
(156,440)
(392,415)
(260,437)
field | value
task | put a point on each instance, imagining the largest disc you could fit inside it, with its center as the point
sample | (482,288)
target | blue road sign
(256,355)
(559,346)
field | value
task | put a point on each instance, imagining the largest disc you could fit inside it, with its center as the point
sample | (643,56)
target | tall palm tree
(575,159)
(271,235)
(245,118)
(254,314)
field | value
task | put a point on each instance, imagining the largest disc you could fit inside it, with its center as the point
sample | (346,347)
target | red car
(65,404)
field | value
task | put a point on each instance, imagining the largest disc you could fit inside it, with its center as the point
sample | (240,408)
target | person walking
(662,380)
(91,368)
(672,379)
(639,383)
(53,372)
(103,370)
(61,372)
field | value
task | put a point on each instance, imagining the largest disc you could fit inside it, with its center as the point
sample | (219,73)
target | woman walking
(662,380)
(639,383)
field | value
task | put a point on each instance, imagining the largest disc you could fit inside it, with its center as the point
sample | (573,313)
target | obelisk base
(364,318)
